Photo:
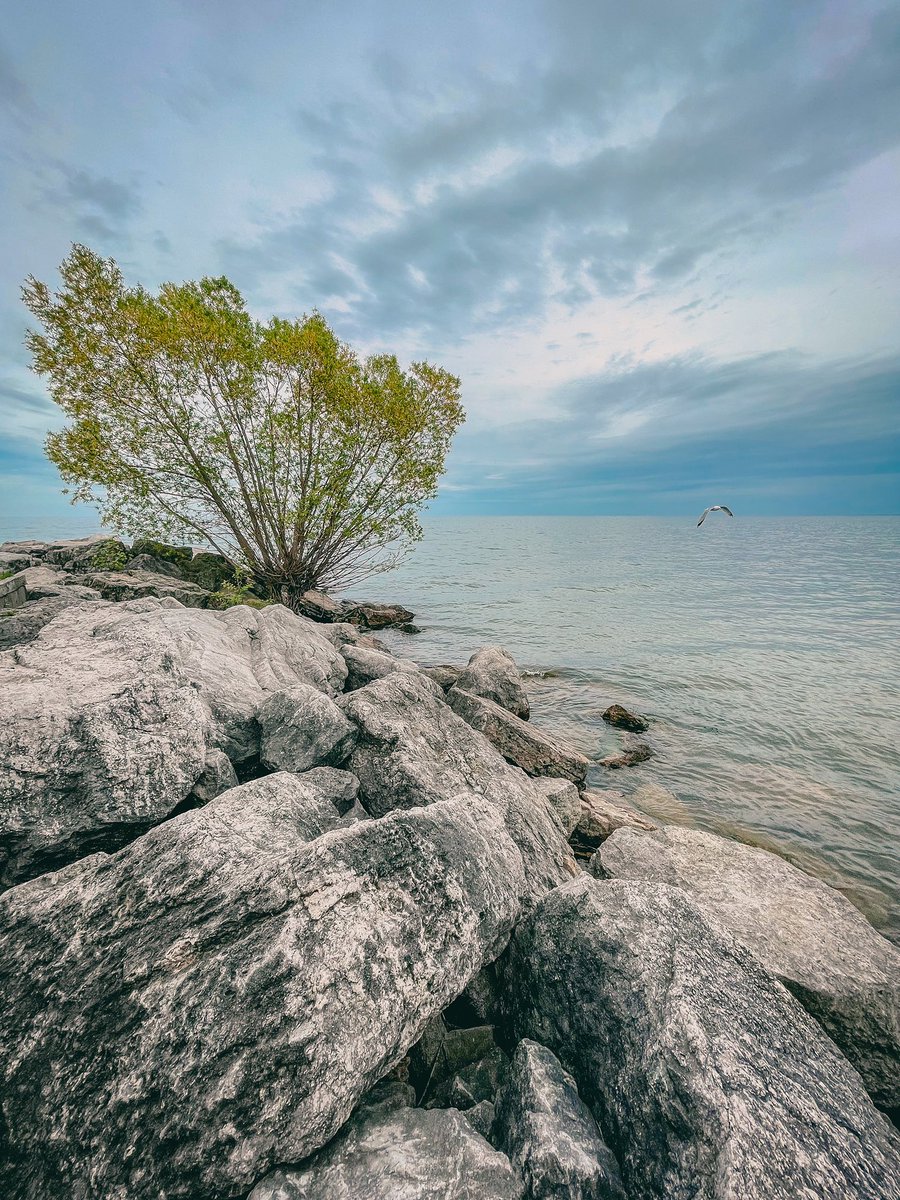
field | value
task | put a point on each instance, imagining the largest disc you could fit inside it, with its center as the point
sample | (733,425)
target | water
(763,650)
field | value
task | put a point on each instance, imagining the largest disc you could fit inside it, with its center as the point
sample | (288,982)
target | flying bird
(714,508)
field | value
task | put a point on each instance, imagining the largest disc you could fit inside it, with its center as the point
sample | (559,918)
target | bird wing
(703,518)
(725,508)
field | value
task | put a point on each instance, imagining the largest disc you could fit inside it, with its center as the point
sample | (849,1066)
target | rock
(215,998)
(399,1153)
(549,1134)
(807,934)
(217,777)
(377,616)
(409,628)
(442,1052)
(705,1075)
(61,552)
(342,634)
(621,718)
(492,674)
(564,801)
(341,787)
(414,751)
(107,717)
(14,560)
(89,554)
(601,813)
(318,606)
(43,582)
(443,675)
(473,1083)
(365,664)
(125,585)
(628,758)
(24,624)
(209,570)
(659,802)
(146,564)
(536,752)
(302,728)
(177,557)
(481,1117)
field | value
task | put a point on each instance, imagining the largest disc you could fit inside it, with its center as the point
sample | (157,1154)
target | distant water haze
(763,650)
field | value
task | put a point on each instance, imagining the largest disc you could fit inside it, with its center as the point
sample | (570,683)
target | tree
(274,443)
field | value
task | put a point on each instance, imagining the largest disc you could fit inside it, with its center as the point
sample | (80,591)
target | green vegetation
(272,442)
(110,556)
(6,574)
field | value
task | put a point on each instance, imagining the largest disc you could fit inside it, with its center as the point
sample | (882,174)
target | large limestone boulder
(704,1073)
(23,624)
(392,1151)
(413,750)
(214,999)
(44,582)
(365,664)
(536,752)
(303,728)
(549,1133)
(492,674)
(806,933)
(108,715)
(135,585)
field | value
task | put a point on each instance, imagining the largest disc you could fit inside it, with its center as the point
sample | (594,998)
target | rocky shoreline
(289,917)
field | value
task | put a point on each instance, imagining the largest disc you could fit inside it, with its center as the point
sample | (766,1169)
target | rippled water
(765,652)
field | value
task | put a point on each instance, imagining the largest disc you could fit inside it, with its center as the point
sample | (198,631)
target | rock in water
(214,999)
(365,664)
(549,1134)
(601,813)
(708,1078)
(807,934)
(320,607)
(621,718)
(376,616)
(628,758)
(303,728)
(536,752)
(414,750)
(387,1152)
(108,715)
(492,674)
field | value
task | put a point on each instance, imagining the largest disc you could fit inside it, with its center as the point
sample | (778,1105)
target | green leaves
(272,442)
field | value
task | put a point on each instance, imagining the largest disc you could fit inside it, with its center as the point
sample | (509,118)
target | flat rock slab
(390,1153)
(536,752)
(413,750)
(806,933)
(549,1133)
(214,999)
(492,674)
(707,1078)
(107,717)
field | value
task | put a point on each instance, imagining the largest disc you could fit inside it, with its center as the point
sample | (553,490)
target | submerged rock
(536,752)
(621,718)
(629,757)
(706,1076)
(806,933)
(303,728)
(413,750)
(549,1134)
(390,1152)
(214,999)
(492,674)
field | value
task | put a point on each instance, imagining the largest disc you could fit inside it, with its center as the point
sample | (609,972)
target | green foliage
(229,595)
(6,574)
(109,557)
(272,442)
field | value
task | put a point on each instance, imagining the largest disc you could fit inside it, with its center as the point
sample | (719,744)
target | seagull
(714,508)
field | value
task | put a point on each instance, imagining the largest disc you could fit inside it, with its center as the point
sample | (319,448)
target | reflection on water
(764,651)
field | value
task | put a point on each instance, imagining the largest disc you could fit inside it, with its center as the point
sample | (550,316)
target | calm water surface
(765,652)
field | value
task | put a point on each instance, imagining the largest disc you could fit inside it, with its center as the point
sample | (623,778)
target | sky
(659,242)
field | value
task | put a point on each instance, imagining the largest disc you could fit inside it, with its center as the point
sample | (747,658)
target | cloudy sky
(658,241)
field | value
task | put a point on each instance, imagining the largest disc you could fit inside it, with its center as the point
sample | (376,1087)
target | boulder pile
(285,917)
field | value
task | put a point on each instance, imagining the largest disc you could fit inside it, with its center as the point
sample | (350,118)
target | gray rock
(146,563)
(365,664)
(376,616)
(806,933)
(14,560)
(25,623)
(629,757)
(318,606)
(209,570)
(654,800)
(214,999)
(549,1134)
(621,718)
(97,553)
(564,801)
(177,558)
(706,1076)
(302,728)
(341,787)
(42,582)
(441,1052)
(492,674)
(107,717)
(444,675)
(519,742)
(601,814)
(472,1083)
(481,1117)
(126,585)
(342,633)
(61,551)
(413,751)
(397,1153)
(217,777)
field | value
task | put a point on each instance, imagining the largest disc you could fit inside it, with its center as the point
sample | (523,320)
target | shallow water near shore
(763,650)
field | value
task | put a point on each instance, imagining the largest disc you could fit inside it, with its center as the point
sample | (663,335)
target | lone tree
(274,442)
